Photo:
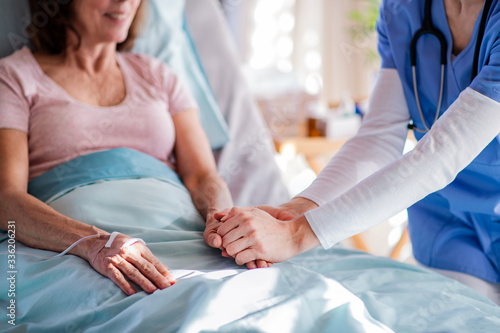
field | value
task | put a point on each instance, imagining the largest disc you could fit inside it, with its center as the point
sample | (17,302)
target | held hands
(250,234)
(213,239)
(270,233)
(135,262)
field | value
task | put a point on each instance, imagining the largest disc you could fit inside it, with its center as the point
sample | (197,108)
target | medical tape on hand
(127,243)
(108,244)
(111,238)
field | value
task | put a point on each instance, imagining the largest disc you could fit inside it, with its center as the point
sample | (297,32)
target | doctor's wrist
(299,205)
(303,236)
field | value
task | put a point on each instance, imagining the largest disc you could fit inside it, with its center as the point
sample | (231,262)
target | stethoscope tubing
(428,29)
(417,98)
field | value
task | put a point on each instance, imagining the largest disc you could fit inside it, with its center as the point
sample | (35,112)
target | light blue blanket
(319,291)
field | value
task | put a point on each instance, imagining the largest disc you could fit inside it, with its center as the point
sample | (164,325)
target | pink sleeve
(179,97)
(14,108)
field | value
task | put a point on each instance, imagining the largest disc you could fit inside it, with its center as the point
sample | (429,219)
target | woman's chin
(114,39)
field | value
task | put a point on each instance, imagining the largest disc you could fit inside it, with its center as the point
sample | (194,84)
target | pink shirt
(61,128)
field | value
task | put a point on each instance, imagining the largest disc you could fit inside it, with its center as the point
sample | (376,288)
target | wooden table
(313,148)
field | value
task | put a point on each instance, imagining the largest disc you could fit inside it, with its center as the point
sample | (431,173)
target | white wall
(321,26)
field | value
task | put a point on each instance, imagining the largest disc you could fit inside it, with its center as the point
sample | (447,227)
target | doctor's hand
(250,234)
(134,262)
(213,235)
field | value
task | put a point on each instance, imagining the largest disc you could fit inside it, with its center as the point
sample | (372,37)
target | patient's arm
(40,226)
(197,169)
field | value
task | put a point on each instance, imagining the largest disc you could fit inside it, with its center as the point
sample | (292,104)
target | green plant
(364,26)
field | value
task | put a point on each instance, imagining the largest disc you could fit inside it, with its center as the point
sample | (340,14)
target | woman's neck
(462,16)
(461,5)
(90,57)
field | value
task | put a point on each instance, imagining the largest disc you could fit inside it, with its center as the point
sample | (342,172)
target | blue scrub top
(458,227)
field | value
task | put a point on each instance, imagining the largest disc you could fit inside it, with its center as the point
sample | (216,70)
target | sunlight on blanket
(218,275)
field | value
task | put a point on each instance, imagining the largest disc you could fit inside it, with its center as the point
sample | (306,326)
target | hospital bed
(337,290)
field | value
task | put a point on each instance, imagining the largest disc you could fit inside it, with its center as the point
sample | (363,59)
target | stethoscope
(428,28)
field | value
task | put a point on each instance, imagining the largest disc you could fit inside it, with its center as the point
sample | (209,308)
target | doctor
(440,76)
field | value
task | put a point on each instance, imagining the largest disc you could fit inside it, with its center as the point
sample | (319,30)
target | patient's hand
(135,262)
(210,234)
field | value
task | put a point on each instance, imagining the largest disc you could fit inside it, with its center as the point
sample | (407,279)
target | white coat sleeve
(453,142)
(380,141)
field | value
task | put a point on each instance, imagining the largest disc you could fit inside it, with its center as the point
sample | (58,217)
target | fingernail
(224,218)
(164,284)
(131,291)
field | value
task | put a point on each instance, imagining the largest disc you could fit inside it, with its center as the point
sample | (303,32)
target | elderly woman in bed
(53,101)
